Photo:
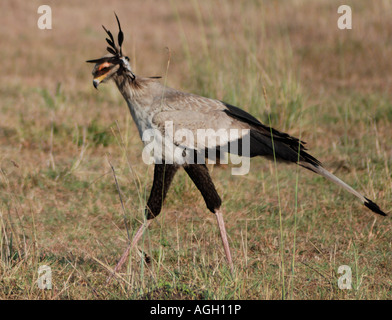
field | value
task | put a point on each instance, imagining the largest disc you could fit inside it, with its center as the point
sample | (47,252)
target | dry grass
(58,201)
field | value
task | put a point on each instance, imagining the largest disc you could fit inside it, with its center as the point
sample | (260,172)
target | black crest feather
(120,34)
(111,43)
(112,48)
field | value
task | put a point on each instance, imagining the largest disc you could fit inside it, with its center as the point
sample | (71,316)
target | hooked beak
(95,83)
(98,80)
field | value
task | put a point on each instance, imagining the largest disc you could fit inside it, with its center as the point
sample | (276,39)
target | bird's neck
(138,92)
(131,88)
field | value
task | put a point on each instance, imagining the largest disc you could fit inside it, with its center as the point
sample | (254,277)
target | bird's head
(114,63)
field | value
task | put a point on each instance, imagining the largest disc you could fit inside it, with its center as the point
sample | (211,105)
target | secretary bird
(152,105)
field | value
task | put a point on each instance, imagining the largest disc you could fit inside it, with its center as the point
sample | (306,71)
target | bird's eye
(127,58)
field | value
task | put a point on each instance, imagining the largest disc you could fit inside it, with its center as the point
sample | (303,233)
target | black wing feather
(284,146)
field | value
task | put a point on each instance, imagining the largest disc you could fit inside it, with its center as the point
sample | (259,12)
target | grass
(59,204)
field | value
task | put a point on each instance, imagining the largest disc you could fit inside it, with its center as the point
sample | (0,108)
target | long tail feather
(266,141)
(328,175)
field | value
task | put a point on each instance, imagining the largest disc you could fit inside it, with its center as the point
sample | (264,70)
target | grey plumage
(153,104)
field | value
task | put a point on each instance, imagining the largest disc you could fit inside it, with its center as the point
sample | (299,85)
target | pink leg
(135,240)
(223,234)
